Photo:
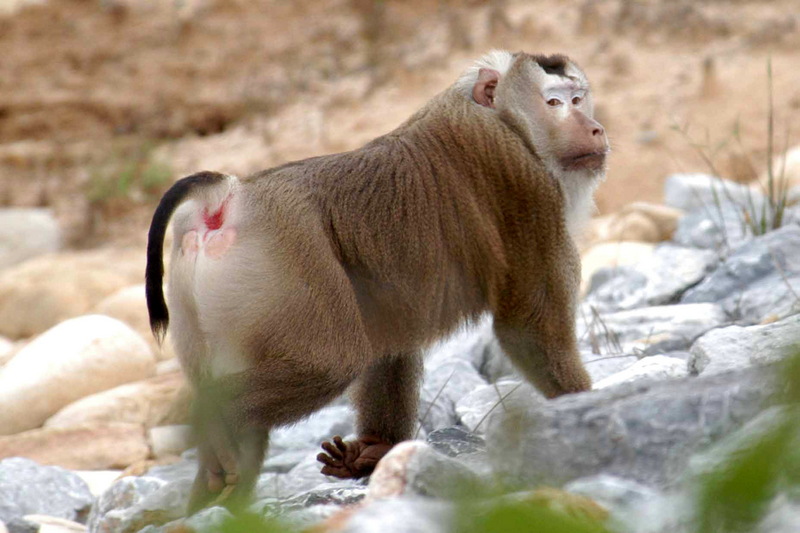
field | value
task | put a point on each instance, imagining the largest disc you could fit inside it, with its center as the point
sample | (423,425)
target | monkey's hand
(352,459)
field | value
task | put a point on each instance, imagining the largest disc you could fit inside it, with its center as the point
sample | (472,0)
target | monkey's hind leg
(386,397)
(229,456)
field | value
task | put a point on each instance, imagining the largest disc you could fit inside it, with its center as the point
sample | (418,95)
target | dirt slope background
(103,103)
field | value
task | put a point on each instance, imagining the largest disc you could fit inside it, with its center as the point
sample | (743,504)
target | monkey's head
(547,99)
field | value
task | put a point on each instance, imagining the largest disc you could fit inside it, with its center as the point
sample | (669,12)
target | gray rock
(415,468)
(497,365)
(441,388)
(719,211)
(469,448)
(698,192)
(455,441)
(182,470)
(20,525)
(470,343)
(433,474)
(781,514)
(669,512)
(29,488)
(652,330)
(402,515)
(652,368)
(737,347)
(717,229)
(719,456)
(676,511)
(612,492)
(783,517)
(603,366)
(643,432)
(308,517)
(305,476)
(474,408)
(312,431)
(208,520)
(271,486)
(623,498)
(760,278)
(123,494)
(476,345)
(283,462)
(165,504)
(341,493)
(26,233)
(659,279)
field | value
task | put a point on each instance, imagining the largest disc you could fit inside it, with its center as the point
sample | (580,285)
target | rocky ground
(686,321)
(683,342)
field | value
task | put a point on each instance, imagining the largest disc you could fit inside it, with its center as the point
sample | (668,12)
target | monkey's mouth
(589,161)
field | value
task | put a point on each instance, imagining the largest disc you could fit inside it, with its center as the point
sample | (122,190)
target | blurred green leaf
(735,498)
(253,523)
(522,517)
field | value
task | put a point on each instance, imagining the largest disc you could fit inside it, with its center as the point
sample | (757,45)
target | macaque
(294,284)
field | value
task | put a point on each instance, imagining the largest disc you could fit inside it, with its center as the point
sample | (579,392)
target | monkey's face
(555,103)
(564,108)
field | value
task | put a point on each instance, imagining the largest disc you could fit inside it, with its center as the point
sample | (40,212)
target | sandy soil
(103,103)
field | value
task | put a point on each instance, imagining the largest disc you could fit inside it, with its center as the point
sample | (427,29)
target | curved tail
(154,273)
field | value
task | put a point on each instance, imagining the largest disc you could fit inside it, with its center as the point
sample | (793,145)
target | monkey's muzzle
(594,161)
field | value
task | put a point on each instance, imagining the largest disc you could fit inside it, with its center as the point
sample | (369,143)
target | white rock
(652,330)
(26,233)
(600,367)
(313,430)
(693,191)
(9,7)
(398,515)
(148,402)
(414,468)
(655,367)
(6,350)
(785,166)
(89,447)
(130,306)
(169,440)
(304,476)
(611,255)
(77,358)
(168,366)
(474,408)
(52,524)
(442,387)
(98,480)
(44,291)
(655,280)
(639,222)
(735,347)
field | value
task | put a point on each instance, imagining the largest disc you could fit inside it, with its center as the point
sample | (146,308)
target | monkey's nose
(598,130)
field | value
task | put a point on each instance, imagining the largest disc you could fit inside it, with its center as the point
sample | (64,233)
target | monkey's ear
(483,92)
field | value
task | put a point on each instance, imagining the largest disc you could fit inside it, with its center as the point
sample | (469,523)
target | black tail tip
(159,329)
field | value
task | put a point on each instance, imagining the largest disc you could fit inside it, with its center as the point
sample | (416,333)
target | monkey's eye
(554,102)
(576,100)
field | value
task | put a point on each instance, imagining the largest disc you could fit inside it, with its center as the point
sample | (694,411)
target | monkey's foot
(352,459)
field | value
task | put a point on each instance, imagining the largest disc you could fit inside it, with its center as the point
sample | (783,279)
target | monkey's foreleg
(550,362)
(386,397)
(536,329)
